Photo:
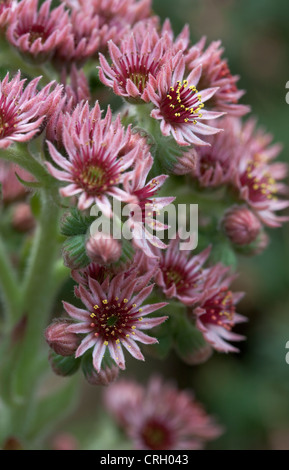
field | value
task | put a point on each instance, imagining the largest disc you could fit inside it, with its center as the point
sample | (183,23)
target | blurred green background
(249,392)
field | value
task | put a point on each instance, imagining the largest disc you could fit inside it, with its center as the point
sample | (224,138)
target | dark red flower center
(206,162)
(113,320)
(176,274)
(156,435)
(182,104)
(94,175)
(261,185)
(94,271)
(220,309)
(8,117)
(37,31)
(224,72)
(136,68)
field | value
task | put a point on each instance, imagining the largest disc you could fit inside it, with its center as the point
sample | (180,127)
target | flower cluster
(179,135)
(241,159)
(205,290)
(98,157)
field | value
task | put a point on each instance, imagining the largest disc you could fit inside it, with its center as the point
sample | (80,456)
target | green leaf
(164,335)
(165,150)
(223,252)
(74,252)
(75,223)
(28,184)
(64,365)
(188,340)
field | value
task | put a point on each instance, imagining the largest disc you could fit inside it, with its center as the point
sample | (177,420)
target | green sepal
(74,252)
(75,223)
(164,335)
(252,249)
(164,149)
(188,340)
(167,154)
(64,366)
(223,252)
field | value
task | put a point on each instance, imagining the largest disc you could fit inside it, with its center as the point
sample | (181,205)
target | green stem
(8,286)
(38,297)
(143,111)
(20,155)
(61,273)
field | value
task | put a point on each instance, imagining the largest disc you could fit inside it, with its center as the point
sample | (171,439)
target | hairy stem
(9,287)
(37,302)
(20,155)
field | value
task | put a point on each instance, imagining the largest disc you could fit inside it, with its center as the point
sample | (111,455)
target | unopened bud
(11,188)
(12,443)
(108,373)
(187,163)
(198,356)
(22,219)
(103,249)
(260,244)
(65,441)
(104,377)
(62,342)
(241,225)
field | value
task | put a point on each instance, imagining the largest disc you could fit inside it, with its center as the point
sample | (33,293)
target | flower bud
(65,441)
(22,219)
(198,356)
(187,163)
(241,226)
(108,373)
(12,189)
(12,443)
(104,377)
(257,247)
(62,342)
(103,249)
(260,244)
